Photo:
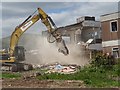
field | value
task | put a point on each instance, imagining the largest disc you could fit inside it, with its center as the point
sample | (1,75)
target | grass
(92,76)
(10,75)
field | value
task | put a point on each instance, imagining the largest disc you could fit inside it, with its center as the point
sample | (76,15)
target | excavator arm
(32,19)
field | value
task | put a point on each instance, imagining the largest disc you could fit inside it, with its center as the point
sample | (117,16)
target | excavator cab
(19,53)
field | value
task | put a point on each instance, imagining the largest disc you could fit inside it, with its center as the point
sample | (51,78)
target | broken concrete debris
(57,68)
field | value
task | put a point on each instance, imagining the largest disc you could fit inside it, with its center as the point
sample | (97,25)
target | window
(115,52)
(90,18)
(114,26)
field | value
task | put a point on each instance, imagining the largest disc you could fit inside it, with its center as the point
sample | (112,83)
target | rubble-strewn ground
(35,83)
(88,76)
(29,79)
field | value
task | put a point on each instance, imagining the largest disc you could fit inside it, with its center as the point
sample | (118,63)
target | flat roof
(110,16)
(110,13)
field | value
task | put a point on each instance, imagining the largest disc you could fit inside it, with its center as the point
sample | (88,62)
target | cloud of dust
(43,52)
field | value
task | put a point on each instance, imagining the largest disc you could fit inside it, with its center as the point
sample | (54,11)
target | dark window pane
(114,26)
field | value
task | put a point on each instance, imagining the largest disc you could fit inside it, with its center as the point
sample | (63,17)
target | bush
(103,61)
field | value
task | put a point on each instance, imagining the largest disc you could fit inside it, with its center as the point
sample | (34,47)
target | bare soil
(35,83)
(28,80)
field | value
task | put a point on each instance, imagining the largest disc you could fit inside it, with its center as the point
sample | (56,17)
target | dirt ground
(35,83)
(28,80)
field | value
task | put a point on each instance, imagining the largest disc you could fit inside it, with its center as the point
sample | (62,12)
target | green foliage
(0,75)
(92,76)
(103,61)
(102,72)
(11,75)
(95,75)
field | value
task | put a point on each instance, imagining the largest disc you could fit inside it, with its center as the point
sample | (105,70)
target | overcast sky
(63,13)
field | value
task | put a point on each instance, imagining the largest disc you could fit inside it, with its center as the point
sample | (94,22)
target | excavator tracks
(16,67)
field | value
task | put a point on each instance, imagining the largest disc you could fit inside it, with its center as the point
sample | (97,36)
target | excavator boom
(47,21)
(16,53)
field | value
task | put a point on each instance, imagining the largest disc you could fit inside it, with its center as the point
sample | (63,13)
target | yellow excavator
(12,58)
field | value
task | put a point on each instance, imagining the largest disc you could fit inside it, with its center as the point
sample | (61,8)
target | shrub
(103,61)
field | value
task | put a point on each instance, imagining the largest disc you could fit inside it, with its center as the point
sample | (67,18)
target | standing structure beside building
(84,29)
(110,24)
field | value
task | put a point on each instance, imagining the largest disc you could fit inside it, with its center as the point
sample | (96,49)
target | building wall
(109,49)
(110,39)
(89,33)
(76,34)
(119,28)
(106,31)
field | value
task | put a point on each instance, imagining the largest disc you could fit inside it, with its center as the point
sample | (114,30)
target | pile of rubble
(58,68)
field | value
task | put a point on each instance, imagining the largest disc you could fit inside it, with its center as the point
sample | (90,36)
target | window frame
(116,50)
(111,25)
